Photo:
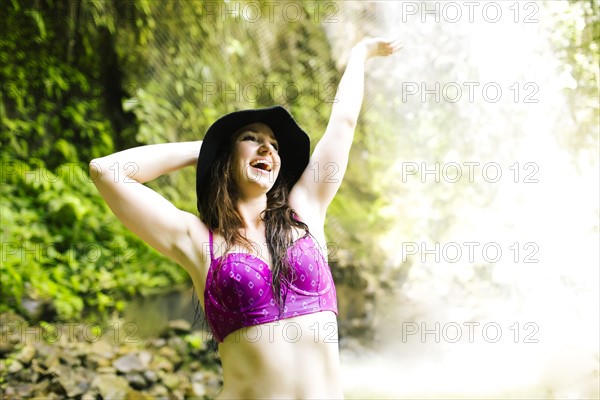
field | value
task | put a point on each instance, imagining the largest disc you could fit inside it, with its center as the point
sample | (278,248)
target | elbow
(347,121)
(96,171)
(351,122)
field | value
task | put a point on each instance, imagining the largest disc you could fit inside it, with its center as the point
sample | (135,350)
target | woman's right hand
(374,47)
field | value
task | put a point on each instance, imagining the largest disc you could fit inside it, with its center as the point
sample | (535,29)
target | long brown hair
(217,205)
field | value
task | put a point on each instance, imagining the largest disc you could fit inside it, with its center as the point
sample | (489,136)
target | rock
(62,337)
(13,330)
(103,362)
(44,350)
(167,352)
(24,389)
(102,349)
(9,393)
(150,377)
(158,342)
(106,370)
(41,387)
(110,386)
(136,380)
(50,362)
(26,375)
(26,354)
(197,377)
(178,383)
(127,363)
(145,358)
(94,361)
(38,367)
(69,359)
(81,351)
(35,377)
(180,325)
(170,354)
(160,392)
(161,363)
(178,344)
(90,395)
(34,309)
(55,387)
(5,347)
(135,395)
(58,370)
(195,366)
(177,395)
(73,385)
(196,390)
(70,381)
(53,396)
(15,367)
(171,381)
(9,316)
(126,347)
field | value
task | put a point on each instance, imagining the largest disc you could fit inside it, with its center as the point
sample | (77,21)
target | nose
(266,147)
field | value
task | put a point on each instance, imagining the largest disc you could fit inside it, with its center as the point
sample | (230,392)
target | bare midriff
(294,358)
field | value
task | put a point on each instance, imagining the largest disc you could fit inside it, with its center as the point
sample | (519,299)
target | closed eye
(249,137)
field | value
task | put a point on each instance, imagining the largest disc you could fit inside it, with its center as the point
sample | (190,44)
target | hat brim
(294,143)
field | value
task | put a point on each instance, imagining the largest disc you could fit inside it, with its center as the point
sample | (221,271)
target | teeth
(261,164)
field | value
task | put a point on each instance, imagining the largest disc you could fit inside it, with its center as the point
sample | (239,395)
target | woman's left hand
(375,47)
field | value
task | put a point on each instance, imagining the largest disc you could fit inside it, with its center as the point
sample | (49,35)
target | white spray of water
(546,312)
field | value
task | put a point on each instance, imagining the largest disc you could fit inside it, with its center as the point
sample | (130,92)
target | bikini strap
(210,245)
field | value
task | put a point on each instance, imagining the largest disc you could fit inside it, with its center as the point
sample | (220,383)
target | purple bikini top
(239,293)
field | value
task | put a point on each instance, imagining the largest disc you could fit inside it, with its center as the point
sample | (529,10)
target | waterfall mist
(491,182)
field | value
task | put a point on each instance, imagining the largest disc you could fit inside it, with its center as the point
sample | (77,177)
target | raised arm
(322,178)
(119,178)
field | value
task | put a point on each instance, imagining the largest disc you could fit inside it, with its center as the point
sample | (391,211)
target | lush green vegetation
(62,91)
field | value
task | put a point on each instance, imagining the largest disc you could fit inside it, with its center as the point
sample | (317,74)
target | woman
(256,255)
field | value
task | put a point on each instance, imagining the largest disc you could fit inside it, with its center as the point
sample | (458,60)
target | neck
(250,210)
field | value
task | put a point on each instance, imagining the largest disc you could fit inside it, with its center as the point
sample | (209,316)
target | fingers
(396,44)
(387,47)
(390,46)
(382,46)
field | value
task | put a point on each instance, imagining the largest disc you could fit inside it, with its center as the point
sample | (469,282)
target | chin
(265,183)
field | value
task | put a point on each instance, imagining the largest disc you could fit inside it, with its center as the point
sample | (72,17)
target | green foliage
(52,97)
(577,42)
(60,243)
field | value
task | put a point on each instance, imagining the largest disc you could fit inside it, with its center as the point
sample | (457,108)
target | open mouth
(262,165)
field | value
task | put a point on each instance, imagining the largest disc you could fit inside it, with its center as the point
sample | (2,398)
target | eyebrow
(254,130)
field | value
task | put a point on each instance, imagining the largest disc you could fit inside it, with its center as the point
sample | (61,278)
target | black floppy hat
(294,143)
